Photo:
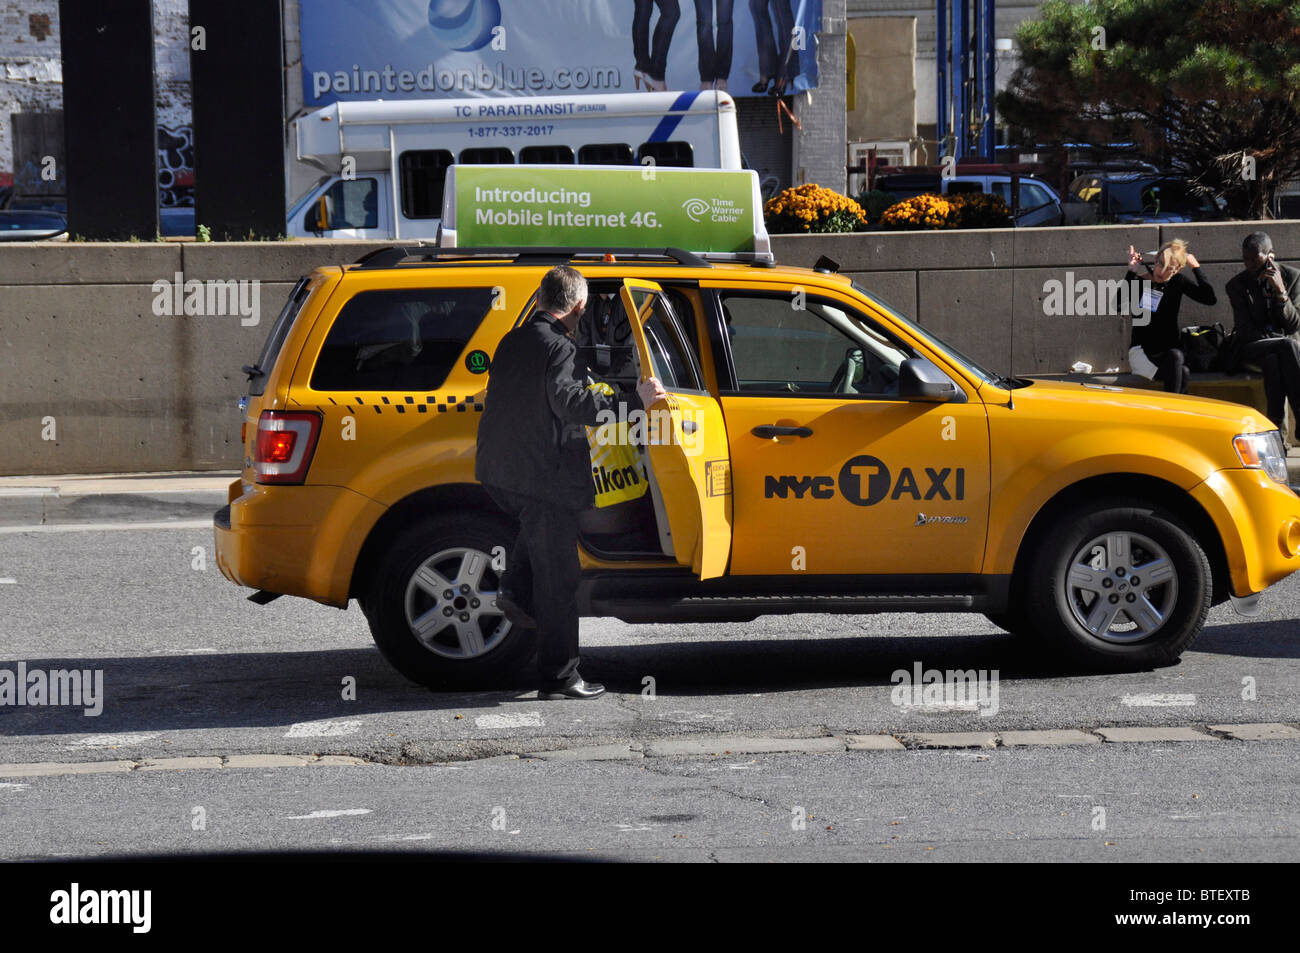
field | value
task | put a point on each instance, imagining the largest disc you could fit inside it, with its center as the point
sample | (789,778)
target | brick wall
(821,145)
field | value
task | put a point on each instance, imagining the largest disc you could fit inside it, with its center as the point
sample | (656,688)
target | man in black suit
(534,461)
(1265,301)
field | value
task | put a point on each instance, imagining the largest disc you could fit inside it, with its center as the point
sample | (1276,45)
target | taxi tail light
(286,441)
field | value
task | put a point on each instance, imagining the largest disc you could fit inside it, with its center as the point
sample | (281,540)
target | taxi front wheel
(1120,584)
(431,605)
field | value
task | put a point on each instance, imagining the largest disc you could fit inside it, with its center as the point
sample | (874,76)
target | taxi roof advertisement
(603,206)
(423,49)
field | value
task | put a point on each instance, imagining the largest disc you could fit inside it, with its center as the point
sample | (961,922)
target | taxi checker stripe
(669,122)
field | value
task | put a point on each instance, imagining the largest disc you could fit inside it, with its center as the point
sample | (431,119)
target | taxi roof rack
(393,255)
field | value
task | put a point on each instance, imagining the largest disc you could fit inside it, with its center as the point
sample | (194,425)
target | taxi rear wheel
(431,605)
(1121,584)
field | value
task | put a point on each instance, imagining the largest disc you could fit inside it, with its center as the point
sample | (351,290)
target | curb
(715,746)
(128,498)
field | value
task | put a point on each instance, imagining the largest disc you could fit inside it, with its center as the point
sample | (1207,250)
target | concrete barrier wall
(125,389)
(983,291)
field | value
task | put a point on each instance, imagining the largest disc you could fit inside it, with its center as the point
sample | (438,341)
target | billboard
(604,206)
(422,49)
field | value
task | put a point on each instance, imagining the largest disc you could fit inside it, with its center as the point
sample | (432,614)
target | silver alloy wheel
(1121,586)
(449,610)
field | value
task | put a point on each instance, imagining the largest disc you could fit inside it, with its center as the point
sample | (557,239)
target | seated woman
(1162,299)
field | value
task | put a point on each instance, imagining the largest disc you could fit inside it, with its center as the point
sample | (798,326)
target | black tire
(442,658)
(1080,577)
(1013,620)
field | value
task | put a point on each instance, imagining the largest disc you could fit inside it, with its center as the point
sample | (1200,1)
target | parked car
(1140,197)
(25,225)
(1040,204)
(39,203)
(176,221)
(1288,200)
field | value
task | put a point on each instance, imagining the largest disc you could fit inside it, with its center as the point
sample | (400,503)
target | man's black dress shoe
(574,689)
(513,611)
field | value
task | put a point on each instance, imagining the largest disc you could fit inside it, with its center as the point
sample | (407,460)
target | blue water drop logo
(464,24)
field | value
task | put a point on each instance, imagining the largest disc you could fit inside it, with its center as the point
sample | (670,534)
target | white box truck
(386,162)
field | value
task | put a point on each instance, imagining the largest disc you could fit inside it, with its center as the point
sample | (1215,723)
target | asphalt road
(190,668)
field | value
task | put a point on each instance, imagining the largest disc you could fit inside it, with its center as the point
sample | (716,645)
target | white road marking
(201,649)
(528,719)
(8,581)
(941,707)
(105,527)
(1147,700)
(350,812)
(12,786)
(322,729)
(113,741)
(26,491)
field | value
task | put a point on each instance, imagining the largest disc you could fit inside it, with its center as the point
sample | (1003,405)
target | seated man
(1265,301)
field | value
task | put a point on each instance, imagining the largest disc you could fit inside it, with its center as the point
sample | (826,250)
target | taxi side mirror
(919,379)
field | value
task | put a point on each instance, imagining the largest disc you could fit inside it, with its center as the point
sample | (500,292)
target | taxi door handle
(770,430)
(690,426)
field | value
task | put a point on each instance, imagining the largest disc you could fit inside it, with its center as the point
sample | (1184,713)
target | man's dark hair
(562,288)
(1257,242)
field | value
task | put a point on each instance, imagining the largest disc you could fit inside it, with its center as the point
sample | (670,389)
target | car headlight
(1263,451)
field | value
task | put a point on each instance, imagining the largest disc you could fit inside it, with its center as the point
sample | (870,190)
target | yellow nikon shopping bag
(616,471)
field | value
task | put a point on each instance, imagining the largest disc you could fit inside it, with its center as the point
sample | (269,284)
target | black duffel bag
(1202,347)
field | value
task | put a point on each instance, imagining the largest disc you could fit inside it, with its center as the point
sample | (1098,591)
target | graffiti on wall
(175,166)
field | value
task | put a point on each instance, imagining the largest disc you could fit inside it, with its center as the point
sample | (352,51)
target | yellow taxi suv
(818,452)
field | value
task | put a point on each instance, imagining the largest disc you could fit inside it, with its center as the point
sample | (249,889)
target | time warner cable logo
(716,210)
(77,906)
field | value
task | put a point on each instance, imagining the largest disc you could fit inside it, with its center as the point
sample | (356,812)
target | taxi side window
(399,340)
(785,343)
(671,356)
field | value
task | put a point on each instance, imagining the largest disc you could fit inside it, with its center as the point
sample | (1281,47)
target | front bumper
(1258,520)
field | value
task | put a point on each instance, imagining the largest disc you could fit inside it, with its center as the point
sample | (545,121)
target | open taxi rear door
(685,435)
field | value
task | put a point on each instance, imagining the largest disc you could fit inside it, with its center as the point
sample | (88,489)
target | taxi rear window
(407,339)
(258,372)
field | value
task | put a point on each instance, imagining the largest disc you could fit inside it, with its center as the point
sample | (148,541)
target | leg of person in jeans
(722,62)
(704,40)
(641,36)
(515,588)
(552,535)
(765,43)
(1274,393)
(784,29)
(1173,371)
(1288,365)
(1279,359)
(669,13)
